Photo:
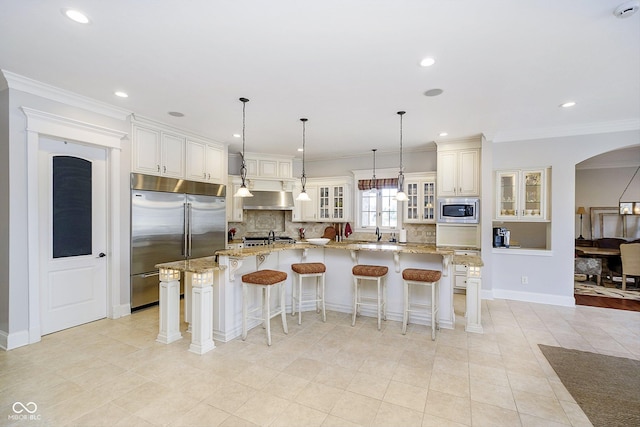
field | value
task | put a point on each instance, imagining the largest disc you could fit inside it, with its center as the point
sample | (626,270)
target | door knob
(101,255)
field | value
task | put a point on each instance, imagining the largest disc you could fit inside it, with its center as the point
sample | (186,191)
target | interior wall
(549,273)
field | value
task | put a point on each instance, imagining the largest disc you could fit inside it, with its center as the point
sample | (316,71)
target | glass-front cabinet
(521,195)
(420,206)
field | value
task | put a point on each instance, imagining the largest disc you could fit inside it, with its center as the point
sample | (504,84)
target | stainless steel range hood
(269,200)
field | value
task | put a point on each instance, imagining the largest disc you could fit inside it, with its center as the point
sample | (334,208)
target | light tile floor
(113,373)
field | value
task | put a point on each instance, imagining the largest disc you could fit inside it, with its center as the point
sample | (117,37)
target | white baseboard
(14,340)
(121,310)
(534,297)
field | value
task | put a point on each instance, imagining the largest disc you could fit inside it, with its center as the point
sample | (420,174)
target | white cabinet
(305,211)
(334,202)
(420,206)
(330,201)
(158,153)
(158,149)
(522,195)
(459,172)
(205,161)
(235,213)
(460,271)
(263,166)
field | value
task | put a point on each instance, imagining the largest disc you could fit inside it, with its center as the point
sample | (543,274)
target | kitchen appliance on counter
(264,241)
(459,210)
(501,237)
(171,219)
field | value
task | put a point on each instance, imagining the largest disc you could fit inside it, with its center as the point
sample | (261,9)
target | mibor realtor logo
(24,412)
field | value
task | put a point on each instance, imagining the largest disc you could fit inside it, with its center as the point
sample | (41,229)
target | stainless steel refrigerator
(171,219)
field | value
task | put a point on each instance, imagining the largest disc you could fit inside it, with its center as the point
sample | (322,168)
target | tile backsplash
(259,223)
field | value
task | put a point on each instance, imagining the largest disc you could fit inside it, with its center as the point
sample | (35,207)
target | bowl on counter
(320,241)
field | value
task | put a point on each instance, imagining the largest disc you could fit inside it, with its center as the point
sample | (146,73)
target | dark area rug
(607,388)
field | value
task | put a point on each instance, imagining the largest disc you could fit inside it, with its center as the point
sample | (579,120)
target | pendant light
(303,196)
(401,196)
(243,191)
(374,181)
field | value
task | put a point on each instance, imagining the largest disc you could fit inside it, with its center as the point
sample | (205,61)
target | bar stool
(370,272)
(430,278)
(264,280)
(302,270)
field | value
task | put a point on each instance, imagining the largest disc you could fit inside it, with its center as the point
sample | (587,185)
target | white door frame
(43,123)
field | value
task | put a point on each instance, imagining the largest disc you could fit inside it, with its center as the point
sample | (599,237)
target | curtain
(367,184)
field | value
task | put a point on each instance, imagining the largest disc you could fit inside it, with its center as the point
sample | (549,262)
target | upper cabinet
(157,153)
(420,206)
(330,201)
(161,150)
(522,195)
(235,212)
(268,166)
(458,168)
(205,161)
(305,211)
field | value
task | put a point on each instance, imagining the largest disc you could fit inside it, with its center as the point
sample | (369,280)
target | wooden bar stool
(264,280)
(302,270)
(370,272)
(430,278)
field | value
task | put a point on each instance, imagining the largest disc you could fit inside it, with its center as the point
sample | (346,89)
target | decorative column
(202,312)
(474,300)
(169,306)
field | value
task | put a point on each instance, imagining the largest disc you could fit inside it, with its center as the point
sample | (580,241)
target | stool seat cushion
(420,275)
(309,268)
(265,277)
(369,270)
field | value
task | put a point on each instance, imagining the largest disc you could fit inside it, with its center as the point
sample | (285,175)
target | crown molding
(34,87)
(564,131)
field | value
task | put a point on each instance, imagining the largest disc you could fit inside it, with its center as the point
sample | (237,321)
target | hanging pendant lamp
(401,196)
(303,196)
(374,181)
(243,191)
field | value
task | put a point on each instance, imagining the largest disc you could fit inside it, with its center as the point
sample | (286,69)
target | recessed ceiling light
(568,104)
(443,134)
(627,9)
(121,94)
(76,16)
(433,92)
(427,62)
(236,135)
(176,114)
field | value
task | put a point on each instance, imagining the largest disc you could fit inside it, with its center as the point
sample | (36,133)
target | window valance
(368,184)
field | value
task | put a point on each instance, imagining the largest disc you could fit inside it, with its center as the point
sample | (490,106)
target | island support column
(474,300)
(202,312)
(169,324)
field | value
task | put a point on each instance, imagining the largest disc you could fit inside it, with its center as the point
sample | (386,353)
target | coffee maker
(501,237)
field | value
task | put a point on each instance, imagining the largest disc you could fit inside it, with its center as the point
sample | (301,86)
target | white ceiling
(349,66)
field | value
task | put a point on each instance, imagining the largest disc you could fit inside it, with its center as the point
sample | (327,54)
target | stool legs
(435,295)
(296,295)
(265,294)
(381,306)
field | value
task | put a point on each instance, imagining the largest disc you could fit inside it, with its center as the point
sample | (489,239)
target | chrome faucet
(378,234)
(272,237)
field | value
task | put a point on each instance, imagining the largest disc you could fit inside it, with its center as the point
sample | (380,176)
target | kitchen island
(340,257)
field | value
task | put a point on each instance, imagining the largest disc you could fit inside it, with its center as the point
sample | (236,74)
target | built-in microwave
(460,210)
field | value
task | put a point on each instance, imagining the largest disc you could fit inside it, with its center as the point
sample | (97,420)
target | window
(379,208)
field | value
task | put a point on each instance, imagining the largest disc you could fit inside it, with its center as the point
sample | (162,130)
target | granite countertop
(411,248)
(195,265)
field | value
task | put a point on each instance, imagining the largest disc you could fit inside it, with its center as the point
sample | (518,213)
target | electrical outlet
(524,280)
